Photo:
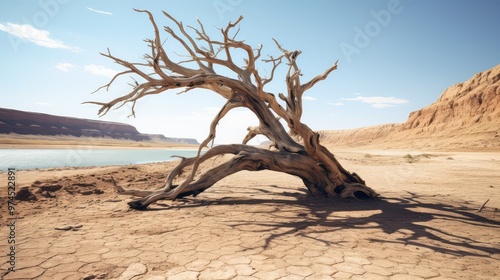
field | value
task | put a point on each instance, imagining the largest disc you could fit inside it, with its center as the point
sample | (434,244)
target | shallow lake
(48,158)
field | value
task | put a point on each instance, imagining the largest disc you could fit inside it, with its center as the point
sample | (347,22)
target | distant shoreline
(65,142)
(100,147)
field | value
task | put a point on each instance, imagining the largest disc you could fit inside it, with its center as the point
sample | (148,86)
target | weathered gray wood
(298,150)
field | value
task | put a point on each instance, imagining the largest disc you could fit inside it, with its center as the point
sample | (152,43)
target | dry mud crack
(266,228)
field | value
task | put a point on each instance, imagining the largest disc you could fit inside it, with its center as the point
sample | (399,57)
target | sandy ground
(426,225)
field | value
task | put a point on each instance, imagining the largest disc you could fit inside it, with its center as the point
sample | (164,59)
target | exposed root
(356,190)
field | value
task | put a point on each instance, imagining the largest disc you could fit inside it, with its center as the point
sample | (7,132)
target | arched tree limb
(251,159)
(298,153)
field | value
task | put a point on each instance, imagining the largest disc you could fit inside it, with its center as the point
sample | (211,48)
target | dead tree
(297,151)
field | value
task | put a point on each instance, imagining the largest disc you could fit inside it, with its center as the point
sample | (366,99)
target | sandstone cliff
(469,107)
(466,116)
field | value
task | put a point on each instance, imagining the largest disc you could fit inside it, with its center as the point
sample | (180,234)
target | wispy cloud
(310,98)
(99,11)
(36,36)
(65,66)
(100,70)
(335,103)
(44,104)
(379,101)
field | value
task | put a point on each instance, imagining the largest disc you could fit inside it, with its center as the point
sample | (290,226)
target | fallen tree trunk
(298,150)
(249,158)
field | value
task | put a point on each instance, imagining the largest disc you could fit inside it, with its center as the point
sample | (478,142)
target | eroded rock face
(472,106)
(20,122)
(466,115)
(29,123)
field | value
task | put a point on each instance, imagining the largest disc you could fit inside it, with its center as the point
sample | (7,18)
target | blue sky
(395,57)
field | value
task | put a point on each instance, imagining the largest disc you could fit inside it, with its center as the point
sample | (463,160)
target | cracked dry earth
(263,225)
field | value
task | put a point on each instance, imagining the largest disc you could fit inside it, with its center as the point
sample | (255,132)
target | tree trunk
(249,158)
(297,153)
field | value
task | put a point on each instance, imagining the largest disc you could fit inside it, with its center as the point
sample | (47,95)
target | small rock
(49,188)
(98,191)
(64,228)
(24,194)
(93,276)
(84,185)
(48,195)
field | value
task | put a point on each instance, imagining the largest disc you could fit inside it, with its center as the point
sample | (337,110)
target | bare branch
(230,104)
(276,62)
(175,68)
(259,49)
(318,78)
(252,132)
(204,36)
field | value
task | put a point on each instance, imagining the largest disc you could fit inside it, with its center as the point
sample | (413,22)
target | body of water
(48,158)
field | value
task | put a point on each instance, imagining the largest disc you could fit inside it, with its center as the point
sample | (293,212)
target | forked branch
(308,159)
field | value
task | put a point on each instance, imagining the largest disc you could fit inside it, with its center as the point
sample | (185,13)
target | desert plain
(428,223)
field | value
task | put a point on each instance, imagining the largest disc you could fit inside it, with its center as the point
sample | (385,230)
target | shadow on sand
(418,217)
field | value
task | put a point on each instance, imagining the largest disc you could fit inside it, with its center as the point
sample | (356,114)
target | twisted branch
(319,169)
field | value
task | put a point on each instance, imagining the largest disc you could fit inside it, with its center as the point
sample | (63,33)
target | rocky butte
(30,123)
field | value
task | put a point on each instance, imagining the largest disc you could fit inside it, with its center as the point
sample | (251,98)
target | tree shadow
(418,217)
